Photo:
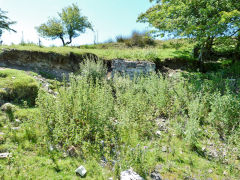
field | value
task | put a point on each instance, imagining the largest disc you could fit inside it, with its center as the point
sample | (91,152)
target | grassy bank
(108,51)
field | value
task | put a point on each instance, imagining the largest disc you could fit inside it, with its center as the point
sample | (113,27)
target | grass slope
(108,51)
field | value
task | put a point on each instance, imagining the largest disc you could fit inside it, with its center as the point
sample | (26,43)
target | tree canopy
(5,22)
(203,20)
(69,24)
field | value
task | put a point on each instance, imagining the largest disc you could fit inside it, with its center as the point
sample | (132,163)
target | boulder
(130,175)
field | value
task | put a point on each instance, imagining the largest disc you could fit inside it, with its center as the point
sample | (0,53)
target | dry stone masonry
(131,68)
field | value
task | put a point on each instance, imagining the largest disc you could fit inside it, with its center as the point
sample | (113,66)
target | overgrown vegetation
(187,124)
(182,123)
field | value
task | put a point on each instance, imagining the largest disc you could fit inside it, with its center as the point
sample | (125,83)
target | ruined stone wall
(131,68)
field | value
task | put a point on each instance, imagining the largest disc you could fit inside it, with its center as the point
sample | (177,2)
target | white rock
(5,155)
(164,149)
(81,171)
(1,133)
(130,175)
(158,133)
(15,128)
(17,121)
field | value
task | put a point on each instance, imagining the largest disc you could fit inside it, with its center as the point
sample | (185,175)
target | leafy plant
(93,69)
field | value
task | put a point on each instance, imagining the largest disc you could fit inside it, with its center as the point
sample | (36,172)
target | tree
(5,22)
(70,24)
(202,20)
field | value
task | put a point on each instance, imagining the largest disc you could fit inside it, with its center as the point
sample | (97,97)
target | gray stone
(164,149)
(132,68)
(156,176)
(81,171)
(72,151)
(5,155)
(18,121)
(158,133)
(15,128)
(210,171)
(130,175)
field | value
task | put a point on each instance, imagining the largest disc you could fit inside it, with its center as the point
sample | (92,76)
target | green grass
(109,51)
(17,86)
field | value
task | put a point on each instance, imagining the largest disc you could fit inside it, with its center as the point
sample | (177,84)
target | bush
(81,115)
(120,39)
(88,112)
(225,114)
(138,39)
(92,69)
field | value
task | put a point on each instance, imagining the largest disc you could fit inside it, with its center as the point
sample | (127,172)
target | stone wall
(131,68)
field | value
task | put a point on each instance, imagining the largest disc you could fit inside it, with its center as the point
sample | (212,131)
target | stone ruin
(132,68)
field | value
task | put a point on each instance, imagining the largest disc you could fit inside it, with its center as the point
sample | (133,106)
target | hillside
(181,125)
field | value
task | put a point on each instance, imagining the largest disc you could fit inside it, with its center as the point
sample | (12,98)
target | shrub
(80,115)
(92,69)
(225,114)
(120,39)
(139,39)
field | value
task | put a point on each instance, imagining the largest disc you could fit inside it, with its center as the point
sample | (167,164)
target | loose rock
(72,151)
(5,155)
(15,128)
(81,171)
(155,176)
(17,121)
(1,133)
(130,175)
(164,149)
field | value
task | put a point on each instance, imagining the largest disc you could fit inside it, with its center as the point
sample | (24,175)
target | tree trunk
(237,50)
(70,40)
(64,44)
(208,48)
(205,52)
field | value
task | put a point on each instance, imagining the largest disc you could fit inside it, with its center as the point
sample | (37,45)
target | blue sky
(109,18)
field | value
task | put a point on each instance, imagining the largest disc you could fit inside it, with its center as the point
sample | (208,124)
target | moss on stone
(17,86)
